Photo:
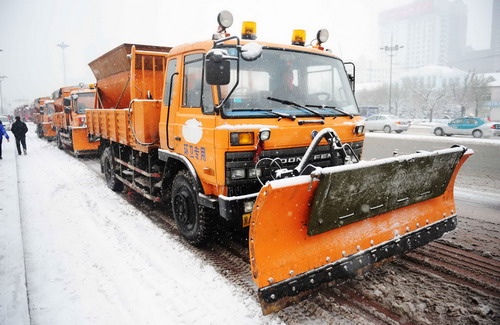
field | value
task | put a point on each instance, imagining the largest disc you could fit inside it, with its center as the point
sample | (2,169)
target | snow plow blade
(338,221)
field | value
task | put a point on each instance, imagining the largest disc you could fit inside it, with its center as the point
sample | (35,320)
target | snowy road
(477,188)
(92,258)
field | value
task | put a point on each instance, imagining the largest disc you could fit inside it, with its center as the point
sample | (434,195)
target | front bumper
(401,127)
(350,266)
(232,209)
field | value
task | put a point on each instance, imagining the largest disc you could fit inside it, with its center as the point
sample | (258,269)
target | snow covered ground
(13,297)
(92,258)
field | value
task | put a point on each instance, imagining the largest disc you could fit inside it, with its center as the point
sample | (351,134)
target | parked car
(386,123)
(5,121)
(475,126)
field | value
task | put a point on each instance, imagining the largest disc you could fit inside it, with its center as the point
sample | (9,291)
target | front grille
(287,158)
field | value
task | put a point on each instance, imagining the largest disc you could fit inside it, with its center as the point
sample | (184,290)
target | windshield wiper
(285,115)
(333,107)
(287,102)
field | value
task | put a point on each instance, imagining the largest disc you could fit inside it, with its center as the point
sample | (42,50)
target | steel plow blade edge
(303,225)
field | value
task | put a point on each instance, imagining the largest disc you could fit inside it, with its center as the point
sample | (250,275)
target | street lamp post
(63,46)
(391,51)
(1,96)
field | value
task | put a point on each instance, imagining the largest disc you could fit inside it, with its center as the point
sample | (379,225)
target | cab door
(171,95)
(194,124)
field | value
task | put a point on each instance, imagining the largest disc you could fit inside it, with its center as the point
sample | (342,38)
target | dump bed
(114,75)
(129,92)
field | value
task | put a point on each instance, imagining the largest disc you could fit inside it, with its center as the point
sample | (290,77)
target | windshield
(306,79)
(84,101)
(50,108)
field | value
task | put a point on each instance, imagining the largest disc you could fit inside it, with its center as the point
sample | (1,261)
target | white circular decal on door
(192,131)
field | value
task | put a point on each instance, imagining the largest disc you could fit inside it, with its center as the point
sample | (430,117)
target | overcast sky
(30,30)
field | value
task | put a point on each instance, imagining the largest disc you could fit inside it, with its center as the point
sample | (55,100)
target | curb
(14,307)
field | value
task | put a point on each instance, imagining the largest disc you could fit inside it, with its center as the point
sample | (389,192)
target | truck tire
(108,164)
(39,131)
(58,141)
(192,219)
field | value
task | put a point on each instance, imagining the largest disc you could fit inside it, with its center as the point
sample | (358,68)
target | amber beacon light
(249,30)
(299,37)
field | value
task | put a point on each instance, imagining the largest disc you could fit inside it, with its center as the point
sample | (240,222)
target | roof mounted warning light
(249,30)
(299,37)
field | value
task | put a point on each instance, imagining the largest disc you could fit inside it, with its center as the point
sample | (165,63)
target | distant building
(493,104)
(433,32)
(495,36)
(434,76)
(484,61)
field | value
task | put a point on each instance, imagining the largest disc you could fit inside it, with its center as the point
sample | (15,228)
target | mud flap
(308,230)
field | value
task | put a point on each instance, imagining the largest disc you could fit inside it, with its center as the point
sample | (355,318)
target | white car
(386,123)
(475,126)
(5,121)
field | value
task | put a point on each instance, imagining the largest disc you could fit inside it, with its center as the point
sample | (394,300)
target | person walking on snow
(2,133)
(19,130)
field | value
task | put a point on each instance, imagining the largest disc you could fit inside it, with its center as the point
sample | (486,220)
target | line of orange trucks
(237,133)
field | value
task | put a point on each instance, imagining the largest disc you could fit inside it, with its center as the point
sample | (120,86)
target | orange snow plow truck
(69,122)
(40,117)
(238,133)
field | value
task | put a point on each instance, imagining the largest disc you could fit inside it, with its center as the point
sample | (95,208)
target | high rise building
(433,32)
(495,36)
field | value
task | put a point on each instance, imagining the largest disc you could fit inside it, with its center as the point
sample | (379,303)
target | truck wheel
(193,220)
(477,134)
(108,164)
(387,129)
(58,140)
(39,131)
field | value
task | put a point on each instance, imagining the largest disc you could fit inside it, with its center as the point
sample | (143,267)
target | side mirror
(351,75)
(217,67)
(251,51)
(67,101)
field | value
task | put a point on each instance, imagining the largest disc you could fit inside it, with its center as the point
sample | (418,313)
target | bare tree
(460,92)
(479,91)
(430,98)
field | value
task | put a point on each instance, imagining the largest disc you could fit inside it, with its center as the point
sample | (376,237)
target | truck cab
(70,123)
(236,135)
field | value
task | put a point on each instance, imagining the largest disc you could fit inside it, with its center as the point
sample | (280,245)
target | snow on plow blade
(332,224)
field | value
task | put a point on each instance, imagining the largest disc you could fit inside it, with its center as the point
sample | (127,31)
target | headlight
(248,206)
(264,134)
(322,35)
(241,138)
(359,129)
(237,173)
(254,172)
(225,19)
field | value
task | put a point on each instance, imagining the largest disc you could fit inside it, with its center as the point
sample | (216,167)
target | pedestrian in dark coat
(3,133)
(19,129)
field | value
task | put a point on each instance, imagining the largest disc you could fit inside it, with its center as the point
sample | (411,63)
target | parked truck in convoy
(39,108)
(70,124)
(240,133)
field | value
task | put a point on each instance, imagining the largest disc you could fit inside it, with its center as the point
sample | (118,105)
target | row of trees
(412,98)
